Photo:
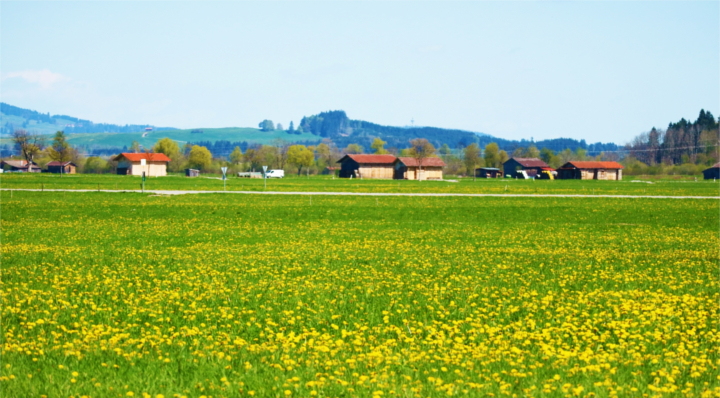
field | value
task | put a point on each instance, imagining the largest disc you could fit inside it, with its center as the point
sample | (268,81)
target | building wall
(151,169)
(711,174)
(376,171)
(590,174)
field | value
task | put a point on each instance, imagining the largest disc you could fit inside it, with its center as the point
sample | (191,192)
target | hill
(102,138)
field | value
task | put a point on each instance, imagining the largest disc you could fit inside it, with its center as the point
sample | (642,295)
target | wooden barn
(153,164)
(409,169)
(20,166)
(712,173)
(61,167)
(487,172)
(366,166)
(531,166)
(586,170)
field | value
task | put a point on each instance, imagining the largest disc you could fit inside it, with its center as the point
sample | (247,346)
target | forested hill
(343,131)
(14,117)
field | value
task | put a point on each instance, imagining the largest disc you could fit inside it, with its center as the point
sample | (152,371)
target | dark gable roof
(530,162)
(370,159)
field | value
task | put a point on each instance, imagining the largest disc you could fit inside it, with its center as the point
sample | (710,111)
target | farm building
(330,170)
(192,173)
(531,166)
(367,166)
(487,172)
(584,170)
(61,167)
(153,164)
(20,165)
(713,172)
(409,169)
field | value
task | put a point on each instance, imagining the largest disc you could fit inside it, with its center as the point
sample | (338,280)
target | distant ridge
(104,138)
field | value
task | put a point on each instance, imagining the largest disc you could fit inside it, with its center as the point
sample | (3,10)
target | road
(473,195)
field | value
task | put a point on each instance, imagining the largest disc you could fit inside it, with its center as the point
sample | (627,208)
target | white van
(275,174)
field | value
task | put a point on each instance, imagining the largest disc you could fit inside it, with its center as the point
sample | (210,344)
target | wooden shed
(531,166)
(192,173)
(487,172)
(20,166)
(153,164)
(367,166)
(586,170)
(61,167)
(712,173)
(410,169)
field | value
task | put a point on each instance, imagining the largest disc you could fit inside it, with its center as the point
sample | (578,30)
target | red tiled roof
(370,159)
(548,169)
(56,163)
(530,162)
(136,157)
(715,166)
(593,165)
(427,162)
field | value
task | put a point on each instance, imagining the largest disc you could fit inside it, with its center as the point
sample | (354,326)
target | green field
(232,134)
(293,183)
(117,295)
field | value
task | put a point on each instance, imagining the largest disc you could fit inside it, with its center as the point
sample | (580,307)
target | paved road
(497,195)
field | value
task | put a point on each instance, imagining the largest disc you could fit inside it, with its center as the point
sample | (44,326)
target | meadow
(324,183)
(211,295)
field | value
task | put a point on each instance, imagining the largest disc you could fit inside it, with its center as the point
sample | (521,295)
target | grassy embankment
(108,295)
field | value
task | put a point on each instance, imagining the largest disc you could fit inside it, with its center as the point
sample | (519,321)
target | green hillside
(232,134)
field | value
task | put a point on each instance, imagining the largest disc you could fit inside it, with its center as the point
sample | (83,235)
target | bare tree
(421,148)
(30,144)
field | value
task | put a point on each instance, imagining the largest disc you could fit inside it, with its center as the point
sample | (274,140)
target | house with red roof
(406,168)
(590,170)
(532,166)
(153,164)
(367,166)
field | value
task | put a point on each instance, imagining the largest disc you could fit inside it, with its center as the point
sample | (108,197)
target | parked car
(275,174)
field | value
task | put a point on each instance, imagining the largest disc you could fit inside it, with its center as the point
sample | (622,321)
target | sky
(599,71)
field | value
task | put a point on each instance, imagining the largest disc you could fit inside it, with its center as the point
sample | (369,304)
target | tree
(279,126)
(546,155)
(291,129)
(200,157)
(532,152)
(95,164)
(353,149)
(135,147)
(502,158)
(420,148)
(60,150)
(379,146)
(236,157)
(300,156)
(167,146)
(30,144)
(472,158)
(445,150)
(323,154)
(266,125)
(492,156)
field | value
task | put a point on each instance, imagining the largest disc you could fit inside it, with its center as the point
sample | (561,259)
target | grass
(109,295)
(328,184)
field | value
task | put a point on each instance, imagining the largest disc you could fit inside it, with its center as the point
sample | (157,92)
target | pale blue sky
(602,71)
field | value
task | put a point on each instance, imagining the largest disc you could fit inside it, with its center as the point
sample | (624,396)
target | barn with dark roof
(531,166)
(367,166)
(713,172)
(585,170)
